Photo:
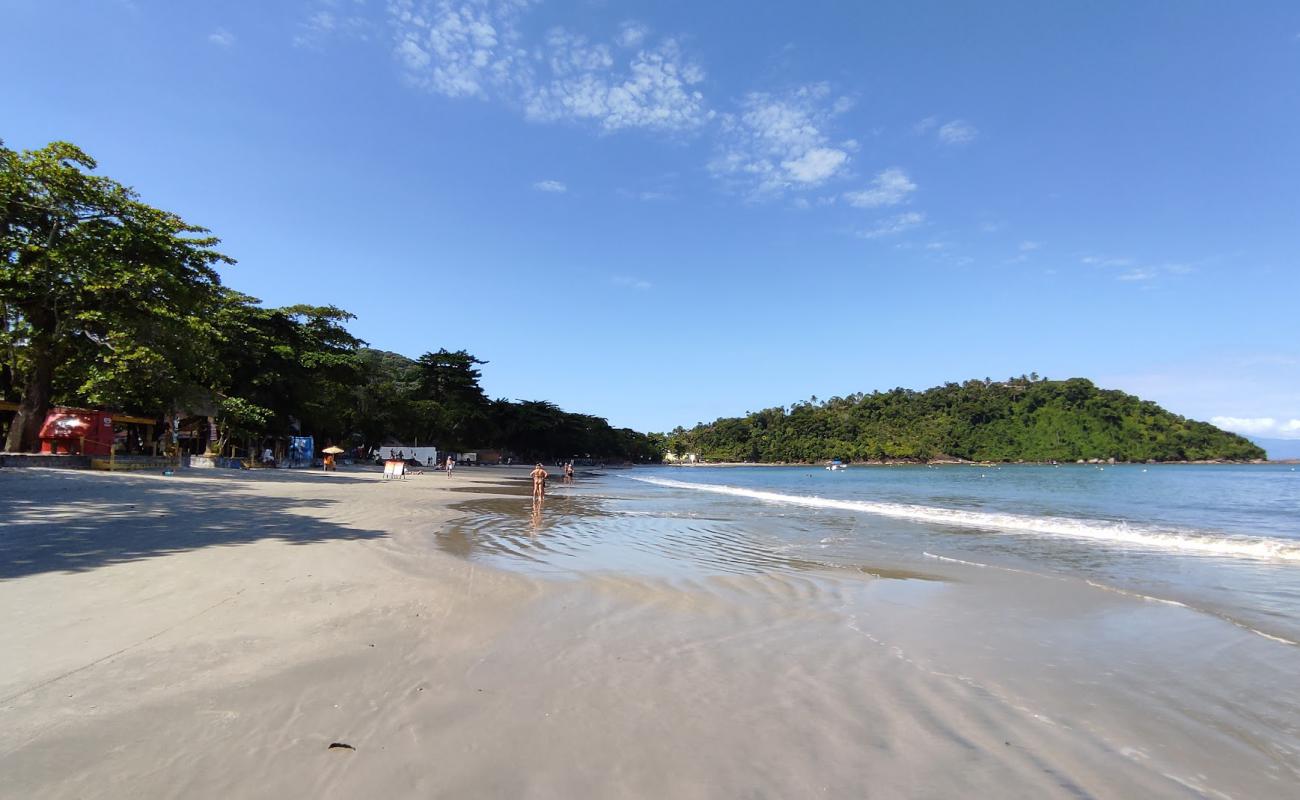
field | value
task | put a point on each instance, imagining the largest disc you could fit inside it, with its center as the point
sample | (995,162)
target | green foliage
(1026,418)
(106,301)
(91,275)
(238,419)
(437,399)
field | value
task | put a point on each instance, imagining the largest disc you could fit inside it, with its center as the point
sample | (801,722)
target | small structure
(77,431)
(424,455)
(686,458)
(302,451)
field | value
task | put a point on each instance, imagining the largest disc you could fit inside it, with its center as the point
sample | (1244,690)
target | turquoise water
(1224,539)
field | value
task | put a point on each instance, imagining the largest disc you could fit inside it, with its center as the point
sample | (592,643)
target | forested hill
(1024,418)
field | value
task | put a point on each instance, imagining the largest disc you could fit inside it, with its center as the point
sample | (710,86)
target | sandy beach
(213,635)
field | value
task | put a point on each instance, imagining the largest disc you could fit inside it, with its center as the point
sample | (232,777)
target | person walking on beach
(539,476)
(451,464)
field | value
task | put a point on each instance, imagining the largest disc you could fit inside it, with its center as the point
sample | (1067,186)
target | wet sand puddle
(570,533)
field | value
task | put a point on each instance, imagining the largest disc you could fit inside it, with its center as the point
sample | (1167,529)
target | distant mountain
(1279,449)
(1023,418)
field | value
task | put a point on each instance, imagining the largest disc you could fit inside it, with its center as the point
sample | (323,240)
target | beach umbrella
(333,450)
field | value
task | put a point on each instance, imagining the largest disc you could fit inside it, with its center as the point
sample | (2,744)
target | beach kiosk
(77,431)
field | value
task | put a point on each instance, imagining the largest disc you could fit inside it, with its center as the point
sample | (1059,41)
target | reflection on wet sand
(572,533)
(535,520)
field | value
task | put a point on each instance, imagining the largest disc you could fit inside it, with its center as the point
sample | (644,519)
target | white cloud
(775,143)
(654,91)
(1135,271)
(632,34)
(551,186)
(221,37)
(334,18)
(1138,275)
(1105,261)
(894,225)
(925,125)
(1029,247)
(890,188)
(459,49)
(1260,426)
(957,132)
(816,165)
(476,48)
(631,283)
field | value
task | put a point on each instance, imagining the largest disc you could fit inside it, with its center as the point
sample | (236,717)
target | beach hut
(77,431)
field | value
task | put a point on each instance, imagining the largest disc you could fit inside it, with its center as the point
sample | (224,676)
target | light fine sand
(210,635)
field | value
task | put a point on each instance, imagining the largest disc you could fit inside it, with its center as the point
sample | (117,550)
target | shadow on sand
(75,521)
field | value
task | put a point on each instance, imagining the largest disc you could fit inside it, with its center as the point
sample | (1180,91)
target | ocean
(1152,611)
(1220,539)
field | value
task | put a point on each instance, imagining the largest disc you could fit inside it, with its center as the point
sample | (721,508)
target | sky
(666,212)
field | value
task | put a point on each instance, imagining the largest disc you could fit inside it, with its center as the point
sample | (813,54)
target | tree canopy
(106,301)
(1020,419)
(90,275)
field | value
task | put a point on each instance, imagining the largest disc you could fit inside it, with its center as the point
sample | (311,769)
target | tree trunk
(35,403)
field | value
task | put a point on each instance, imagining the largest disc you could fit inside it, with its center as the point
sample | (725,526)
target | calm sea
(1224,540)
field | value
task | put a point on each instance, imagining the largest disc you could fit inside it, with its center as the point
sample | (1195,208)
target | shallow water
(1224,540)
(1150,609)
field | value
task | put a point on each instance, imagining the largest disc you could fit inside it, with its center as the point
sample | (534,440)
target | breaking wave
(1117,533)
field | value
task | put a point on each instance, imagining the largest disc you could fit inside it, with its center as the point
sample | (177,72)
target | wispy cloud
(556,187)
(632,34)
(957,132)
(478,49)
(1260,426)
(334,18)
(925,126)
(780,142)
(952,132)
(1140,274)
(1106,261)
(221,37)
(894,225)
(1135,271)
(1029,247)
(889,188)
(631,283)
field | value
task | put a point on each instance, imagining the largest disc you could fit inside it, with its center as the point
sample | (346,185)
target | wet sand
(211,635)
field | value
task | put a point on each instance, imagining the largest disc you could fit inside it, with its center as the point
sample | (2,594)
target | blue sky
(666,212)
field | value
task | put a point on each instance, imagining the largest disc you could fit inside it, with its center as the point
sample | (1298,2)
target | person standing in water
(568,472)
(539,476)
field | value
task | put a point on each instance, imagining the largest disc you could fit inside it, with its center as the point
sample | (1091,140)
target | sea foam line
(1116,533)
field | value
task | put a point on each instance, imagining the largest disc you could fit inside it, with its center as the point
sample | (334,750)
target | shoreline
(963,463)
(213,635)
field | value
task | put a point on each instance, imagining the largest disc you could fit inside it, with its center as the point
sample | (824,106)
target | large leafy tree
(276,369)
(452,398)
(94,278)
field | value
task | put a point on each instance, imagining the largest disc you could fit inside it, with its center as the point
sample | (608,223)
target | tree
(279,368)
(92,276)
(449,383)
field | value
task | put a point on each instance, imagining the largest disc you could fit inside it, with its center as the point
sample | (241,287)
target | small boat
(836,465)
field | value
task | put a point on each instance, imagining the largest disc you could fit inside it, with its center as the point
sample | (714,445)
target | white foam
(1109,532)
